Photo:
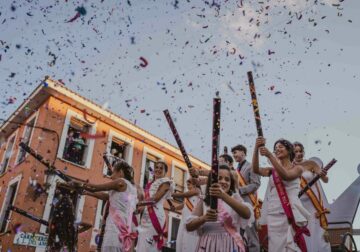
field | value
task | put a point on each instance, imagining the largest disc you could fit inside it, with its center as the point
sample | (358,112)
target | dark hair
(163,164)
(128,171)
(239,147)
(209,182)
(300,145)
(289,147)
(62,225)
(227,158)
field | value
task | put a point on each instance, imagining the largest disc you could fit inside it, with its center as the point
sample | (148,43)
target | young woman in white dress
(187,241)
(151,238)
(280,231)
(119,234)
(219,229)
(318,240)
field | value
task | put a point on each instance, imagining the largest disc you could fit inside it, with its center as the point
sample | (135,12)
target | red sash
(155,221)
(284,199)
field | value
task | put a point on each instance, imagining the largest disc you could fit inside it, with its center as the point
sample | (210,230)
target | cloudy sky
(304,56)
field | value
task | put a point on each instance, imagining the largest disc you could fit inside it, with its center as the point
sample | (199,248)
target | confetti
(93,136)
(144,62)
(80,11)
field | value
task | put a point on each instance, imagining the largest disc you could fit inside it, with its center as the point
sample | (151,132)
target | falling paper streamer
(80,11)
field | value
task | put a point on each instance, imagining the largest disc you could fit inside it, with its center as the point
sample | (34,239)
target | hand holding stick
(317,177)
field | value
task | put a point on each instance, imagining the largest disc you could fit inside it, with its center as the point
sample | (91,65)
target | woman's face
(159,171)
(299,154)
(224,179)
(280,151)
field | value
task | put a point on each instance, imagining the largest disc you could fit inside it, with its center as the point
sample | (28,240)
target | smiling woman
(153,220)
(282,211)
(218,230)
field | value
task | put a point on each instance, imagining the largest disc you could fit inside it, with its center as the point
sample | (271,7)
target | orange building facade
(75,132)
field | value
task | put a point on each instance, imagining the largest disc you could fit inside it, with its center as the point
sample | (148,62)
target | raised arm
(285,174)
(265,172)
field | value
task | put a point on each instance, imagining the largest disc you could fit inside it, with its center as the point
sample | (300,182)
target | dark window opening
(26,139)
(149,169)
(7,155)
(9,201)
(76,145)
(117,151)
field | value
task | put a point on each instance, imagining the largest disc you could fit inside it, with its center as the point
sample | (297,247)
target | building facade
(73,133)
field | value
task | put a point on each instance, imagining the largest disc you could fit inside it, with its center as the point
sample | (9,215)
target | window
(25,139)
(179,176)
(149,168)
(174,223)
(76,144)
(117,151)
(8,201)
(7,154)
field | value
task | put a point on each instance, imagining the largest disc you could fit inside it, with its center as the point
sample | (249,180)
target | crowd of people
(136,218)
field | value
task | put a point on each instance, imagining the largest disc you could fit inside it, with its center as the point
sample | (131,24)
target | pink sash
(226,219)
(125,235)
(159,238)
(284,199)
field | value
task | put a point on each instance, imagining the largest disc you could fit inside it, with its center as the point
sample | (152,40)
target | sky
(138,58)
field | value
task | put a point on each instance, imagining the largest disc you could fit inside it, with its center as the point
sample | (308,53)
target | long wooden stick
(215,147)
(255,104)
(45,162)
(317,177)
(178,139)
(28,215)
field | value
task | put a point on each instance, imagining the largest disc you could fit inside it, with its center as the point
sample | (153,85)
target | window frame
(17,180)
(172,215)
(35,117)
(176,164)
(152,152)
(91,142)
(11,152)
(129,151)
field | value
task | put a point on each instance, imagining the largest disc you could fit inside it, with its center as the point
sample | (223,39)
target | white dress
(213,235)
(124,204)
(316,242)
(187,241)
(280,232)
(146,230)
